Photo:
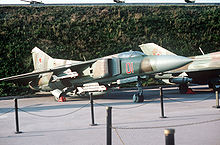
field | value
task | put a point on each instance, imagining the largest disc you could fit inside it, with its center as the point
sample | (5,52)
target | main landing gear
(60,96)
(138,97)
(214,87)
(183,88)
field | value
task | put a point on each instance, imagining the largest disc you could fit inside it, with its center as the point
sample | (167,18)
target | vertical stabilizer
(41,60)
(154,49)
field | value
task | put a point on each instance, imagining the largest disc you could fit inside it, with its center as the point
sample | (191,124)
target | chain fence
(157,127)
(54,116)
(168,126)
(154,99)
(116,128)
(133,107)
(7,112)
(116,131)
(185,101)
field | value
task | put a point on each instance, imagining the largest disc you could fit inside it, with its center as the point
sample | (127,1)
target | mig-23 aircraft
(204,69)
(60,76)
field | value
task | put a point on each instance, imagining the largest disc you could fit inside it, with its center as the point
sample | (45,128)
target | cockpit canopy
(130,54)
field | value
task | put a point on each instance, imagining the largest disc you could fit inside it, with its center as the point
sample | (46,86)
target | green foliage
(75,32)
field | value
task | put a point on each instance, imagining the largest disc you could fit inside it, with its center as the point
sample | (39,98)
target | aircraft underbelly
(203,77)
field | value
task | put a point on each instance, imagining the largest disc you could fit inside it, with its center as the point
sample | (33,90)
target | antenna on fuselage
(84,58)
(201,51)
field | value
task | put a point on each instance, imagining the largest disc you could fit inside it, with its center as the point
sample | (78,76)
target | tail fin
(41,60)
(154,49)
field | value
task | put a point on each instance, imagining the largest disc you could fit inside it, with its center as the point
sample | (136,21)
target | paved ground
(192,116)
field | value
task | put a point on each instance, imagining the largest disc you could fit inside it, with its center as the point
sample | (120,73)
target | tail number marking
(129,68)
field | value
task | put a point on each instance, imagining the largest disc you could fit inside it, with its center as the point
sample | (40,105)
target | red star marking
(40,60)
(156,52)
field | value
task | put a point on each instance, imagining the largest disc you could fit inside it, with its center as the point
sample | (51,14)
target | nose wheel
(139,97)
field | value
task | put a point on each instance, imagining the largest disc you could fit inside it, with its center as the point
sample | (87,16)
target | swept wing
(54,70)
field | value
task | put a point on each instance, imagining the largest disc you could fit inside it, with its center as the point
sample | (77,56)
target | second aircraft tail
(154,49)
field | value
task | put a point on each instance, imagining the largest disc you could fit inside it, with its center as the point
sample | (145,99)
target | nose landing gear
(138,97)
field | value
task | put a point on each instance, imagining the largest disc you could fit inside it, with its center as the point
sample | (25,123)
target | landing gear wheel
(211,86)
(141,98)
(216,88)
(137,98)
(61,98)
(183,88)
(56,98)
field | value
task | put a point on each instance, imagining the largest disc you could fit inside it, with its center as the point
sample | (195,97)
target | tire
(56,99)
(135,98)
(211,86)
(141,98)
(138,98)
(183,88)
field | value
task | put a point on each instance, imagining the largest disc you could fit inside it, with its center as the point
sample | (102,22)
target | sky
(105,1)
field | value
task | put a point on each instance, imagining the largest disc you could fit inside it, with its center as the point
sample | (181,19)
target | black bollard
(109,125)
(161,103)
(217,100)
(169,136)
(16,117)
(92,111)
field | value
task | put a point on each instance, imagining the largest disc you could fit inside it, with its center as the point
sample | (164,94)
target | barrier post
(109,125)
(16,117)
(161,103)
(169,136)
(92,110)
(217,99)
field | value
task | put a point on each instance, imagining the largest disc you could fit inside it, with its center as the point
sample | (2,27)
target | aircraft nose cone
(169,62)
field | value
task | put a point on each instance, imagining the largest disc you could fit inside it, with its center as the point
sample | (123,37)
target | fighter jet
(119,1)
(190,1)
(60,76)
(33,2)
(204,69)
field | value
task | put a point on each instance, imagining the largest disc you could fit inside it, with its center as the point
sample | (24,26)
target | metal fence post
(16,117)
(92,111)
(169,136)
(109,125)
(217,100)
(161,103)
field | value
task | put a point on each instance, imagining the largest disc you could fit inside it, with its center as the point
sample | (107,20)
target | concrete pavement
(41,122)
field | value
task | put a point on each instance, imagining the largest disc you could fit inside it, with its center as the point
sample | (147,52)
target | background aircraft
(190,1)
(204,69)
(119,1)
(61,76)
(33,2)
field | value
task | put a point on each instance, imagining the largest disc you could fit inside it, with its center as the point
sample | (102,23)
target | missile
(91,87)
(68,74)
